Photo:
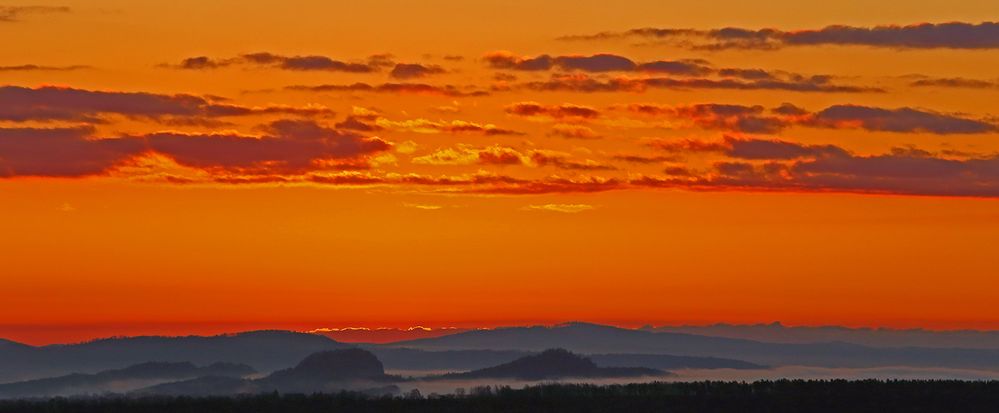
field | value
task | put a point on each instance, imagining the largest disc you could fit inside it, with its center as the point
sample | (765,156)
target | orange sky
(189,167)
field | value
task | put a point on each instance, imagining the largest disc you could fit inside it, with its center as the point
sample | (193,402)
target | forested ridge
(762,396)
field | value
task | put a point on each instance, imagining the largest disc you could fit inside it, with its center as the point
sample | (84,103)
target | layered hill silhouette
(592,338)
(553,364)
(328,371)
(262,350)
(413,359)
(121,380)
(267,351)
(875,337)
(360,370)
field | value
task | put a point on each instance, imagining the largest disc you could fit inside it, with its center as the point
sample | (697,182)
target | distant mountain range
(592,338)
(121,380)
(606,346)
(875,337)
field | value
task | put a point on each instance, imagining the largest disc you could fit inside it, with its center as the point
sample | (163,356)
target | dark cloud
(774,149)
(324,63)
(806,84)
(562,161)
(682,146)
(597,63)
(903,171)
(900,120)
(61,152)
(507,60)
(788,109)
(733,117)
(644,159)
(583,83)
(287,146)
(201,62)
(504,77)
(57,103)
(696,73)
(15,13)
(291,146)
(50,103)
(307,63)
(716,116)
(565,110)
(643,32)
(750,74)
(678,67)
(412,70)
(953,35)
(296,63)
(926,35)
(748,149)
(789,166)
(41,68)
(400,88)
(740,118)
(955,82)
(752,119)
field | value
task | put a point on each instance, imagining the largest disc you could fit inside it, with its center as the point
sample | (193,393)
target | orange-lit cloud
(561,112)
(563,208)
(585,83)
(295,63)
(755,119)
(399,88)
(953,35)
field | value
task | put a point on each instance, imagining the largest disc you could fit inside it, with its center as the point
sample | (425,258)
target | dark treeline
(763,396)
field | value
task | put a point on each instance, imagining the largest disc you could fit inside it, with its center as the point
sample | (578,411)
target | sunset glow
(193,167)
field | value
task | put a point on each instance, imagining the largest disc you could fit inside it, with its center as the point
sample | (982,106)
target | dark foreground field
(764,396)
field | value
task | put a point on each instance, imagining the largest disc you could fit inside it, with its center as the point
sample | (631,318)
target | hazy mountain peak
(557,357)
(329,366)
(336,364)
(550,364)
